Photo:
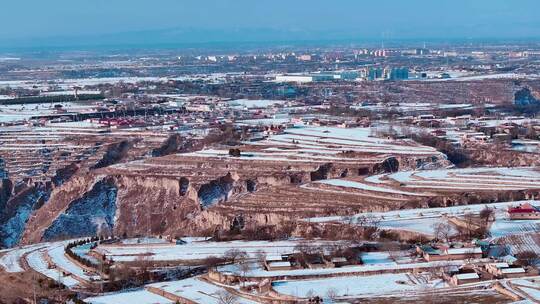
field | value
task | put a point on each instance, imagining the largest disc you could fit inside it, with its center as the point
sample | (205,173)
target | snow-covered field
(422,220)
(356,185)
(196,290)
(255,103)
(11,260)
(529,288)
(420,225)
(324,144)
(194,250)
(37,256)
(414,107)
(264,121)
(37,261)
(409,214)
(10,113)
(56,252)
(348,139)
(288,156)
(256,271)
(354,286)
(132,297)
(489,76)
(468,179)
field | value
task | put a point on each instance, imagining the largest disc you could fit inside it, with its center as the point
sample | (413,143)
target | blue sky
(29,22)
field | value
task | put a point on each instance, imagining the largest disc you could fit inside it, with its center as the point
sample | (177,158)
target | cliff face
(151,204)
(524,97)
(18,209)
(158,202)
(94,202)
(93,213)
(58,202)
(6,186)
(192,196)
(216,191)
(502,157)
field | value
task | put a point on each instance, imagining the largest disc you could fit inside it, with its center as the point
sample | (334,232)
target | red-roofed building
(524,212)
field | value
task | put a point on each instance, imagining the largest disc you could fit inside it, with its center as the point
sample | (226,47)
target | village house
(317,261)
(275,266)
(474,136)
(438,133)
(524,212)
(276,262)
(504,270)
(464,278)
(339,261)
(274,130)
(460,121)
(348,124)
(445,253)
(494,268)
(509,128)
(502,137)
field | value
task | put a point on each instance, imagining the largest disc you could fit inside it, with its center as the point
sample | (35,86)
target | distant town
(282,175)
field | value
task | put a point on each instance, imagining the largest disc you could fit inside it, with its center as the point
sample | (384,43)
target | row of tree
(51,99)
(81,259)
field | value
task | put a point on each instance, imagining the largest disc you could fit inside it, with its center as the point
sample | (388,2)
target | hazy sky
(39,21)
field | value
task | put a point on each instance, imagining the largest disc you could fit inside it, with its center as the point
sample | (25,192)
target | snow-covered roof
(280,264)
(509,259)
(274,258)
(465,250)
(467,276)
(500,265)
(513,270)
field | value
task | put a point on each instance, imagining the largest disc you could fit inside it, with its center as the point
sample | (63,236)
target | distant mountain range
(220,39)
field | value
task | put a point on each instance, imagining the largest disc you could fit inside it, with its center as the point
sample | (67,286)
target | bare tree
(528,258)
(244,269)
(368,220)
(332,293)
(487,214)
(143,264)
(310,294)
(287,228)
(305,248)
(393,250)
(468,218)
(212,261)
(427,295)
(470,255)
(369,224)
(225,297)
(234,254)
(442,230)
(260,255)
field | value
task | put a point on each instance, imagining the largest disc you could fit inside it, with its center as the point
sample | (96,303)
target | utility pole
(101,281)
(34,287)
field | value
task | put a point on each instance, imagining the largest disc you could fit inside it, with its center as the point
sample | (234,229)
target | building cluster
(368,73)
(467,130)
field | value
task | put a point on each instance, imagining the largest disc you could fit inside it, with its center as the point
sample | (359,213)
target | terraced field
(38,152)
(408,184)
